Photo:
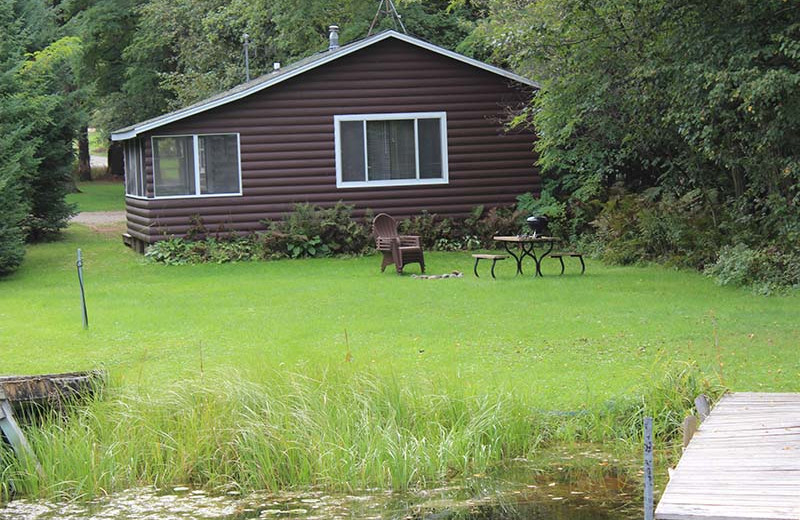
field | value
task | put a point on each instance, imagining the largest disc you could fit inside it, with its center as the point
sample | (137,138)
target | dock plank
(743,463)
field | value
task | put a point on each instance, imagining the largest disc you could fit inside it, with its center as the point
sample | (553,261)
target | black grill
(538,224)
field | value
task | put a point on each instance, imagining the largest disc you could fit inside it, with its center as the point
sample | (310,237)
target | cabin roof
(297,68)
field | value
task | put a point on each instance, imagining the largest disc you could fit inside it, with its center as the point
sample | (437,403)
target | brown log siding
(287,142)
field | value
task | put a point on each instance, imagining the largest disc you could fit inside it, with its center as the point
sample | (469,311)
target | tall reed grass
(337,429)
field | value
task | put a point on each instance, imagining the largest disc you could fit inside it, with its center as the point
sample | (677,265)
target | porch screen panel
(352,149)
(173,166)
(134,175)
(219,164)
(391,150)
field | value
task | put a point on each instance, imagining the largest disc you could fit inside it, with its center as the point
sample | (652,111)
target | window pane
(390,150)
(173,166)
(430,148)
(351,139)
(219,164)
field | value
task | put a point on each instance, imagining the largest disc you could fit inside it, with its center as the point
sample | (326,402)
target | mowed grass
(99,196)
(328,372)
(563,340)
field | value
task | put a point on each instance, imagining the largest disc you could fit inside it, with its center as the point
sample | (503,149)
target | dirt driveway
(102,221)
(99,218)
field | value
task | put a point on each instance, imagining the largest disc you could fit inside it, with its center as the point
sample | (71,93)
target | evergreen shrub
(12,237)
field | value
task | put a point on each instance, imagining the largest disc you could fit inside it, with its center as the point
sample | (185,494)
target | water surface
(481,499)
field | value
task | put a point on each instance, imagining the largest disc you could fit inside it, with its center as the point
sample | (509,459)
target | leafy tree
(186,50)
(122,90)
(681,95)
(651,92)
(736,98)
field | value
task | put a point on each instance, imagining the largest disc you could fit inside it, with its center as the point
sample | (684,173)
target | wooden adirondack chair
(399,250)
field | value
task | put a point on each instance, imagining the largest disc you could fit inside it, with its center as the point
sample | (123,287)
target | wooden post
(689,428)
(648,468)
(703,407)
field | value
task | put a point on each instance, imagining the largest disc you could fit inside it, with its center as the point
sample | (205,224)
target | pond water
(480,499)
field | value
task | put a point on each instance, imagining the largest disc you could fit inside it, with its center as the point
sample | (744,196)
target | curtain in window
(391,150)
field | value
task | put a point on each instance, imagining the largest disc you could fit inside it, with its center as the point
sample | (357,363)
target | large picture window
(391,149)
(134,168)
(196,165)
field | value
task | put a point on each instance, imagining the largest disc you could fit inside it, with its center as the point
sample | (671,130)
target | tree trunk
(116,163)
(738,181)
(84,166)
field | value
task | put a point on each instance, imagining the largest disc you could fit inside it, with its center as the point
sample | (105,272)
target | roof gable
(300,67)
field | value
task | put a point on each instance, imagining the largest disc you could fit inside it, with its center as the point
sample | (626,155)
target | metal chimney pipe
(246,38)
(333,37)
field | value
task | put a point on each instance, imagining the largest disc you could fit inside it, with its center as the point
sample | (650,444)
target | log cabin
(389,123)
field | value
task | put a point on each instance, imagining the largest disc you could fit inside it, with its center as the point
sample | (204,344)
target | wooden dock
(32,394)
(50,388)
(743,463)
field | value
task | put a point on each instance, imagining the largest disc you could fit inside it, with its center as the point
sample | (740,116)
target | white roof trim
(134,130)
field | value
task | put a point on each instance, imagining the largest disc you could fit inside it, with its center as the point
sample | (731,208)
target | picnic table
(526,247)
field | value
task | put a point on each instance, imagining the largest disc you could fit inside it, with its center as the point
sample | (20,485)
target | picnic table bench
(481,256)
(561,256)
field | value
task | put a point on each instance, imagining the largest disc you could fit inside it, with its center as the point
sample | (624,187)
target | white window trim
(442,116)
(196,151)
(139,147)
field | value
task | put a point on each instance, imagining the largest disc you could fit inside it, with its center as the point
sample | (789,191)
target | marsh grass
(338,430)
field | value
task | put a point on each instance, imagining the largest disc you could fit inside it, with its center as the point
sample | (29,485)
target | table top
(524,239)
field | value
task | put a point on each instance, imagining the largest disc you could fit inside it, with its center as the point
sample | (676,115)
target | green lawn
(564,340)
(504,348)
(99,196)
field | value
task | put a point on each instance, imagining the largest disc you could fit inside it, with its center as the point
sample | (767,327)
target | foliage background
(668,130)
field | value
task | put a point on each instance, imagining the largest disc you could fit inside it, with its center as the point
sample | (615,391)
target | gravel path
(98,161)
(99,218)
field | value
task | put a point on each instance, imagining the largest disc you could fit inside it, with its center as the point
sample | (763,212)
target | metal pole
(247,56)
(648,468)
(83,293)
(397,16)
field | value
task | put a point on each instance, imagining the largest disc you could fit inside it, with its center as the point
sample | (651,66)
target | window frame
(399,116)
(196,152)
(138,149)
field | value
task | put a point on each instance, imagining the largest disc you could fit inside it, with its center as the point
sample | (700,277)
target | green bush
(659,226)
(180,251)
(473,232)
(766,270)
(315,231)
(312,231)
(483,224)
(309,231)
(749,241)
(428,226)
